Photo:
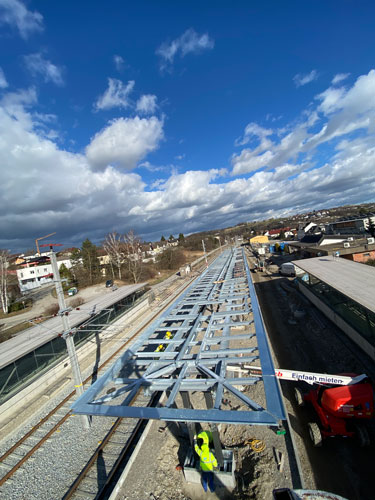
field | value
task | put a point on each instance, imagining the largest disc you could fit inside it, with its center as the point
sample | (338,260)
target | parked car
(109,283)
(287,269)
(72,291)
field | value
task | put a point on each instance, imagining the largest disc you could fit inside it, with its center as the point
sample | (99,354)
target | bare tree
(115,247)
(4,263)
(133,252)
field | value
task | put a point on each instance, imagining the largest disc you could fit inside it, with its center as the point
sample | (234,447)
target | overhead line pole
(205,255)
(68,334)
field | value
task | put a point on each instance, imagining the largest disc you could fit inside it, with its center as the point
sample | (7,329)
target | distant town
(348,230)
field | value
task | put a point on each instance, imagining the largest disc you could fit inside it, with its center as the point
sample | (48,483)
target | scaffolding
(197,346)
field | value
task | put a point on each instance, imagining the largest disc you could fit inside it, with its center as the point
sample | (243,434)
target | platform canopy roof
(352,279)
(38,335)
(198,354)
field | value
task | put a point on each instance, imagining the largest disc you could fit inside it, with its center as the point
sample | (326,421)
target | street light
(205,254)
(218,238)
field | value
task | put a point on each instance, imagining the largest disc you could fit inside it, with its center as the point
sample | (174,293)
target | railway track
(18,455)
(94,480)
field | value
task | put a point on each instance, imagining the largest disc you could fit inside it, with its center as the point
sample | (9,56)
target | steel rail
(45,419)
(133,438)
(34,449)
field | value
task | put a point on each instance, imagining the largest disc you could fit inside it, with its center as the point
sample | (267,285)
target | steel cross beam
(215,325)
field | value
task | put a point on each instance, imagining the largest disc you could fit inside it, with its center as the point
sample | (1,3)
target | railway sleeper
(84,494)
(91,480)
(110,453)
(5,467)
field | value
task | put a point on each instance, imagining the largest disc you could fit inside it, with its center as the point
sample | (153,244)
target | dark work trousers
(208,479)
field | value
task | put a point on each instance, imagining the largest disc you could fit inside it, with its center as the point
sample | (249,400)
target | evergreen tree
(90,260)
(66,274)
(181,238)
(162,238)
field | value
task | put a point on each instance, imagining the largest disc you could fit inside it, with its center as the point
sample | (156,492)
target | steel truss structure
(196,346)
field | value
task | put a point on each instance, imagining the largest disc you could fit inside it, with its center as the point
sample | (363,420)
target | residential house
(31,276)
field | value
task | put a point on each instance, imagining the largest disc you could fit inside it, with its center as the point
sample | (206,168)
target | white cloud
(146,104)
(15,14)
(116,95)
(248,161)
(125,142)
(339,78)
(330,98)
(339,113)
(16,104)
(188,42)
(119,62)
(43,187)
(37,65)
(253,130)
(301,80)
(3,80)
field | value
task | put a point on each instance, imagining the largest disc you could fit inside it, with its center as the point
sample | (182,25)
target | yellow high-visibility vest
(207,459)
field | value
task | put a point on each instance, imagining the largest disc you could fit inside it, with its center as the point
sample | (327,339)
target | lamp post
(218,238)
(205,255)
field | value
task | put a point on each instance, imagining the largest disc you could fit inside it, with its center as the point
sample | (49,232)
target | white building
(33,277)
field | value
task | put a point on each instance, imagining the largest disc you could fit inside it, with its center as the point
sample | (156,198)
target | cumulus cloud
(339,113)
(116,95)
(3,80)
(188,42)
(119,62)
(44,187)
(339,78)
(146,104)
(15,14)
(37,65)
(125,142)
(301,80)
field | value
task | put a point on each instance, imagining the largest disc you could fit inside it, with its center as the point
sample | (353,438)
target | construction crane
(41,238)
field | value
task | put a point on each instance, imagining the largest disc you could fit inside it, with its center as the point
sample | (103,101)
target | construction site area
(248,360)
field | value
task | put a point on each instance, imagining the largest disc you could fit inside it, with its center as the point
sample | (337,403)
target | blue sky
(169,117)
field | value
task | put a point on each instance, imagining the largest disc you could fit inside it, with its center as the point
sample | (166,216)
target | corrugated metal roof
(32,338)
(355,280)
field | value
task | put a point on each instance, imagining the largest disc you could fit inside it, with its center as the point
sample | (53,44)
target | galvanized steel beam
(216,324)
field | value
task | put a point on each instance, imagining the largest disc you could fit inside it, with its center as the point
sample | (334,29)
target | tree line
(124,259)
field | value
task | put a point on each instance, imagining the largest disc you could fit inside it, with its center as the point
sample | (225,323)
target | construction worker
(207,459)
(206,437)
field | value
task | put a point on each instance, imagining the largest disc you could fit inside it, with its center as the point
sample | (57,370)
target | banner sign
(317,378)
